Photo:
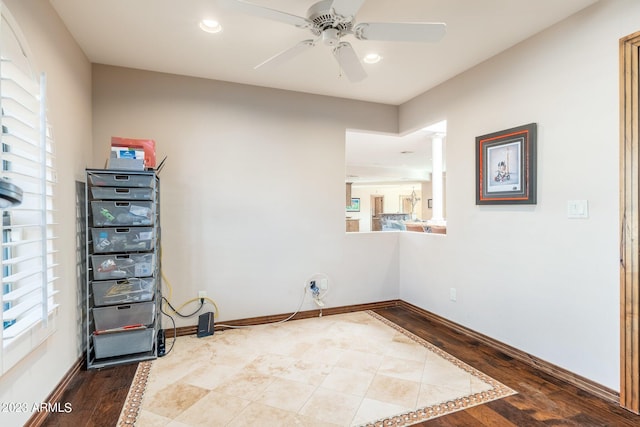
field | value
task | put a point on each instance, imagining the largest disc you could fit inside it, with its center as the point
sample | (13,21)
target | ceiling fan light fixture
(331,36)
(372,58)
(210,26)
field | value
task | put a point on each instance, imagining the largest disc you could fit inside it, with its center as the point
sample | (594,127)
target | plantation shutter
(28,230)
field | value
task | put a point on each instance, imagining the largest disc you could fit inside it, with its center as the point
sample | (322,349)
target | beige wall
(530,276)
(69,100)
(253,188)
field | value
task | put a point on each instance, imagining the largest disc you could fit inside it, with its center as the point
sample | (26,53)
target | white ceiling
(163,35)
(378,158)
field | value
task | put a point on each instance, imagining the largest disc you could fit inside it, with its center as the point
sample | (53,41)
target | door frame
(629,223)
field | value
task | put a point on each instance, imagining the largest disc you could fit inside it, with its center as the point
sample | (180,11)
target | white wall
(527,275)
(252,191)
(69,101)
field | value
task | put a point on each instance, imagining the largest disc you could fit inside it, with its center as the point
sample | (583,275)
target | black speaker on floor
(205,324)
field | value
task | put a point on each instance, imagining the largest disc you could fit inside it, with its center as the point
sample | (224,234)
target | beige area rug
(355,369)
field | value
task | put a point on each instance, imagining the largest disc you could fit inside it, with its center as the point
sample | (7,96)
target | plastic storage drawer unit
(123,316)
(108,240)
(122,193)
(120,180)
(121,266)
(119,343)
(126,291)
(122,213)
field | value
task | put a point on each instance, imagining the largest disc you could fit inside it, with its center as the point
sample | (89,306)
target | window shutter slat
(27,292)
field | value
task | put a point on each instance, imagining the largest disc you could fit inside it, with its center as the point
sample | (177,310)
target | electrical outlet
(324,283)
(202,294)
(313,287)
(453,295)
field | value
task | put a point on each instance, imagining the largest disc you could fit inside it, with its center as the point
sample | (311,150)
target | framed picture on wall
(506,166)
(355,205)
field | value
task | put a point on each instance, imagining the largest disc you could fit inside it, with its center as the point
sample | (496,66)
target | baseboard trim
(38,418)
(576,380)
(262,320)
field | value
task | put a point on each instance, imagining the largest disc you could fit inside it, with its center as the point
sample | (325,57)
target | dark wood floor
(97,396)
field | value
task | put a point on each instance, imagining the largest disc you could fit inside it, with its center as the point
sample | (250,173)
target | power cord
(175,330)
(184,316)
(173,321)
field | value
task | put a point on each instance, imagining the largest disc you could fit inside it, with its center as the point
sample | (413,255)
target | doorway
(629,223)
(377,208)
(405,204)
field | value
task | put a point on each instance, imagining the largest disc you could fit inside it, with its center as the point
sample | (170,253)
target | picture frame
(506,166)
(355,205)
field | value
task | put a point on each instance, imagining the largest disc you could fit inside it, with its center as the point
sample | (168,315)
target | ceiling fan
(330,21)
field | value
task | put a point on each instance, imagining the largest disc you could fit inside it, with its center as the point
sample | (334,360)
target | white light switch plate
(577,209)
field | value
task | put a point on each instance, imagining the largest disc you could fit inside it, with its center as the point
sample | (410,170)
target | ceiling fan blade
(403,32)
(286,55)
(349,62)
(265,12)
(346,8)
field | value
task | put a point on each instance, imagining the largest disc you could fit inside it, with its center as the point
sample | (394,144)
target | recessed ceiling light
(210,26)
(372,58)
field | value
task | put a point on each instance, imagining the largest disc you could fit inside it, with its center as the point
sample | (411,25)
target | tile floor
(343,370)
